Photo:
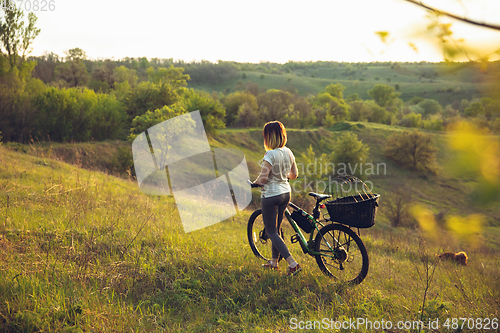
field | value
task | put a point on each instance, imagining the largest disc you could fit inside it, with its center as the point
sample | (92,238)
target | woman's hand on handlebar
(253,184)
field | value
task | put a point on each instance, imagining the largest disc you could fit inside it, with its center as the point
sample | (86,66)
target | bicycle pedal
(295,238)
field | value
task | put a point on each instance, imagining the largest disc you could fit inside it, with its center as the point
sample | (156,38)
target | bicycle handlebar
(253,184)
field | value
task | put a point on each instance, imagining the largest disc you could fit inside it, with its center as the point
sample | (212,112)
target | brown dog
(459,257)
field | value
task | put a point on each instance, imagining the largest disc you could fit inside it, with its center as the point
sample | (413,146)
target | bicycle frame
(302,240)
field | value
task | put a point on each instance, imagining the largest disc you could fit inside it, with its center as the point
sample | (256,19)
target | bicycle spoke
(342,256)
(260,243)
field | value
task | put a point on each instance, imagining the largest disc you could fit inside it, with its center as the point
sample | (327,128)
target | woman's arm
(294,172)
(264,173)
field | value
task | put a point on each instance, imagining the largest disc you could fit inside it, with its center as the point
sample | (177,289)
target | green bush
(412,150)
(123,161)
(433,124)
(350,152)
(77,115)
(151,118)
(411,120)
(212,111)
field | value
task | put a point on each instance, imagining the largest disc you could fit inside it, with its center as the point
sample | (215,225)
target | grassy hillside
(86,251)
(440,81)
(428,189)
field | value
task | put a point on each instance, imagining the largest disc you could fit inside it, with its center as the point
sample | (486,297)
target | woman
(278,166)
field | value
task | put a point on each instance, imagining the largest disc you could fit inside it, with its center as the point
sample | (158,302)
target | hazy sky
(253,31)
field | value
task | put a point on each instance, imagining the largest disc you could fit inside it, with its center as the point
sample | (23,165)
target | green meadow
(83,250)
(443,82)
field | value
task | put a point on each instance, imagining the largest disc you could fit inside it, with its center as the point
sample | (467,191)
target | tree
(207,73)
(335,90)
(464,104)
(412,150)
(76,114)
(16,111)
(450,112)
(16,83)
(247,116)
(16,36)
(174,76)
(315,164)
(179,127)
(415,100)
(378,114)
(360,111)
(45,67)
(125,81)
(233,103)
(495,125)
(329,105)
(123,74)
(274,104)
(435,123)
(398,204)
(352,98)
(74,71)
(102,76)
(430,107)
(212,112)
(383,94)
(109,118)
(303,111)
(491,109)
(411,120)
(350,152)
(148,96)
(474,109)
(150,118)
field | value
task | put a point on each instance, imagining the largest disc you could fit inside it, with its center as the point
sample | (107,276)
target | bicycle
(339,251)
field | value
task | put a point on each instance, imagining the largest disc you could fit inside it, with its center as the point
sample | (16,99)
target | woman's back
(281,160)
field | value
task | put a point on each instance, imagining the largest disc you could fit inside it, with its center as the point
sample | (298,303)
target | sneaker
(269,265)
(293,271)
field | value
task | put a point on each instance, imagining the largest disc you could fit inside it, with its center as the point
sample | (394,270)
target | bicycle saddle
(319,197)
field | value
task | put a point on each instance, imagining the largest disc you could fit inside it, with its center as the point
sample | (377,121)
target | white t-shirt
(281,160)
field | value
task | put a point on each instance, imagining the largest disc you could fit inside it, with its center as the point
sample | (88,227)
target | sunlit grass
(85,251)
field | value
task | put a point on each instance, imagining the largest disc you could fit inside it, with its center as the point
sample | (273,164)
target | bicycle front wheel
(259,241)
(343,254)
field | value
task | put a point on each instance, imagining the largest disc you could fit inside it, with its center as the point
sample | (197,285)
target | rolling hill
(444,82)
(86,251)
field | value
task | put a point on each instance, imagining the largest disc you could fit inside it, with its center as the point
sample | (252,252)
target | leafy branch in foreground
(456,17)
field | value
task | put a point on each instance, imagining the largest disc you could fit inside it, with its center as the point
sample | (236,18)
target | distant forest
(74,99)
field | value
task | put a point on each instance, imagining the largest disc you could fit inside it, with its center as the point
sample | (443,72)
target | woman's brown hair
(274,135)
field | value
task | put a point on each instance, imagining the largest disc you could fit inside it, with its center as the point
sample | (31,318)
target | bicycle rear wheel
(344,256)
(260,243)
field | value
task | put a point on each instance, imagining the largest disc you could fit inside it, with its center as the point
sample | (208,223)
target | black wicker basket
(356,206)
(356,211)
